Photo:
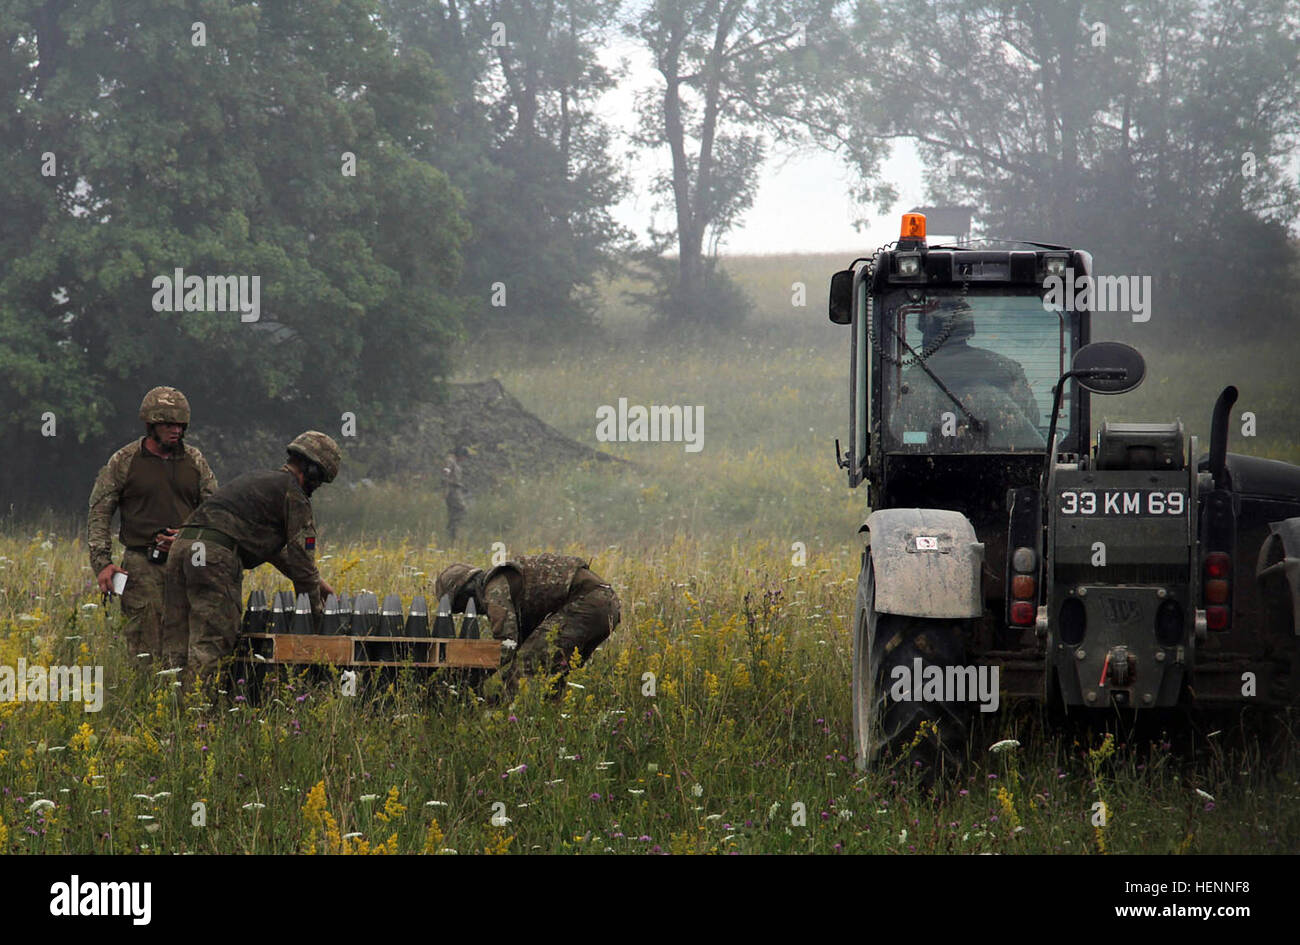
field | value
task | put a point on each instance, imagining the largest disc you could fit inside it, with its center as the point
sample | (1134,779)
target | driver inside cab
(991,386)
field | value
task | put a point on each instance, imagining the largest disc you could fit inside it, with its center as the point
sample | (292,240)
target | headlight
(909,264)
(1055,265)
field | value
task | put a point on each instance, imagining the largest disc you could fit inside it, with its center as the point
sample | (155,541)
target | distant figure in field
(457,495)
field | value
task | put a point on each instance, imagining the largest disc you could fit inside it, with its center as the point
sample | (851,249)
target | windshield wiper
(976,424)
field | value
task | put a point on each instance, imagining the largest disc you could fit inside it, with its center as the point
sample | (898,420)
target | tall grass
(716,719)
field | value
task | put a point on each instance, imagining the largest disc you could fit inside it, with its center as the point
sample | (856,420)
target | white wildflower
(1007,744)
(40,805)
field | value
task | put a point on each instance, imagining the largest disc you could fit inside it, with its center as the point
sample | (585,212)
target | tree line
(399,172)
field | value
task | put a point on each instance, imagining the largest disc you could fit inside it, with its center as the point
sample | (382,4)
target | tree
(736,76)
(1155,132)
(264,141)
(535,157)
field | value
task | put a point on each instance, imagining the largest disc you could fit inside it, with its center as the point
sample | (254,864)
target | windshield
(970,372)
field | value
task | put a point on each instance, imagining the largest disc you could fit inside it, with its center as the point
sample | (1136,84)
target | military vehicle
(1004,547)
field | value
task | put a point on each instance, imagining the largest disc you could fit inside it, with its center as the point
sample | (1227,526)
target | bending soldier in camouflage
(153,483)
(259,517)
(547,605)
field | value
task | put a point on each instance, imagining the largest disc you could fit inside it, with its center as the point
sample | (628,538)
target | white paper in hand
(119,583)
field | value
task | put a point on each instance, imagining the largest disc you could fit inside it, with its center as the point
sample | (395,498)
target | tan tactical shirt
(269,517)
(150,492)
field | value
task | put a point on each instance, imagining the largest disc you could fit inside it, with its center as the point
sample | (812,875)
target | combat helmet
(321,449)
(165,405)
(459,581)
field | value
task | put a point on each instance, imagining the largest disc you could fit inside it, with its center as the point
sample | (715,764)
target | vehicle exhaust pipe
(1219,437)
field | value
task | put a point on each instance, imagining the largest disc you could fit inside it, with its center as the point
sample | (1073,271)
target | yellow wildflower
(392,809)
(433,838)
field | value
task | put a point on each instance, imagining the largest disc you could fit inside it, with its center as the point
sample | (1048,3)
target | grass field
(716,719)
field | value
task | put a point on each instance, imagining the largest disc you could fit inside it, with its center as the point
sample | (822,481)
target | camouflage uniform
(259,517)
(456,496)
(150,493)
(549,605)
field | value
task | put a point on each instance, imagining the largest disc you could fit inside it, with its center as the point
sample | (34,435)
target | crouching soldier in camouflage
(259,517)
(546,605)
(154,483)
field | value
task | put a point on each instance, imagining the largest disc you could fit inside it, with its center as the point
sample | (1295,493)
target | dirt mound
(502,435)
(504,439)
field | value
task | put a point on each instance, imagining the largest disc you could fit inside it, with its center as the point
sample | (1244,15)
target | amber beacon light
(913,227)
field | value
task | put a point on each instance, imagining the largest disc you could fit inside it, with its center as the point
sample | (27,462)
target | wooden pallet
(425,652)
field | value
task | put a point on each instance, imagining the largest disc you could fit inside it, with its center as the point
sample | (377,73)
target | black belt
(199,533)
(147,552)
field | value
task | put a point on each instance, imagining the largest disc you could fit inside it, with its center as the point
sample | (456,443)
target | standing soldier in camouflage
(456,493)
(546,605)
(154,483)
(259,517)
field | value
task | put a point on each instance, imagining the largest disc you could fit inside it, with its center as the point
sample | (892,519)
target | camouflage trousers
(203,607)
(142,605)
(456,507)
(584,622)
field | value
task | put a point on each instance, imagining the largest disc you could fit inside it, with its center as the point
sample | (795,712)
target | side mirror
(841,301)
(1108,367)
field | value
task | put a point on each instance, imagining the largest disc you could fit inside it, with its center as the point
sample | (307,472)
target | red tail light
(1022,613)
(1218,590)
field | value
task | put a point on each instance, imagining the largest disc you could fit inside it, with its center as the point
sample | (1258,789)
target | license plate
(1121,502)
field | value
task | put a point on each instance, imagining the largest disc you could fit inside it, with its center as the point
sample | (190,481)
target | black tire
(884,730)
